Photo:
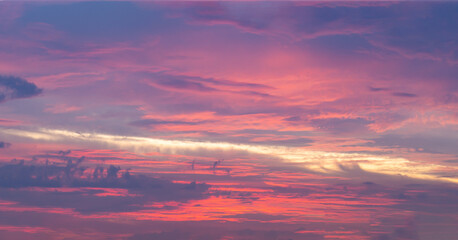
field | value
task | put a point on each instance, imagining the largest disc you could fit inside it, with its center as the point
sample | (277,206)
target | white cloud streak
(319,161)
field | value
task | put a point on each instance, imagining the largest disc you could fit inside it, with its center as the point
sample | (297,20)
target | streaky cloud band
(318,161)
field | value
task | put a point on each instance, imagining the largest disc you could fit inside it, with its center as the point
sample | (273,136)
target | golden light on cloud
(319,161)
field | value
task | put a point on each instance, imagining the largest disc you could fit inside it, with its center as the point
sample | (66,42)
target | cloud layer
(228,120)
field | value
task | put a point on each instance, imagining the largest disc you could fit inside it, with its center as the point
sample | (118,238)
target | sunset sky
(229,120)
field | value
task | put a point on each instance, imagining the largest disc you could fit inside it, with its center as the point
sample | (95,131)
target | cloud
(276,18)
(155,122)
(396,94)
(412,30)
(405,232)
(420,142)
(342,125)
(329,76)
(161,236)
(428,34)
(183,84)
(258,216)
(234,232)
(99,189)
(319,161)
(213,81)
(4,144)
(15,87)
(378,89)
(404,94)
(171,81)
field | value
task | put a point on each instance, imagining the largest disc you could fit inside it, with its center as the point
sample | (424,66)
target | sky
(228,120)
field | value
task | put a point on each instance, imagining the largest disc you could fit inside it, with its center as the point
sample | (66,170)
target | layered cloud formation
(282,120)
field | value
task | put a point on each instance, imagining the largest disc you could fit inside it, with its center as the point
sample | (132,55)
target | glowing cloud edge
(318,161)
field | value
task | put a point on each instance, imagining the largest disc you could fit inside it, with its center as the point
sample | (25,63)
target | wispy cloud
(319,161)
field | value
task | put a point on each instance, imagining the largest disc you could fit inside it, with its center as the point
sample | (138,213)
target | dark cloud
(404,94)
(160,236)
(397,94)
(4,144)
(293,119)
(218,82)
(90,187)
(174,235)
(258,217)
(421,143)
(378,89)
(399,233)
(451,161)
(255,93)
(342,125)
(211,234)
(15,87)
(155,122)
(201,84)
(185,84)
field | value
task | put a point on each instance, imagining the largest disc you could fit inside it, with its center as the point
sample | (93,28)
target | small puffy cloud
(15,87)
